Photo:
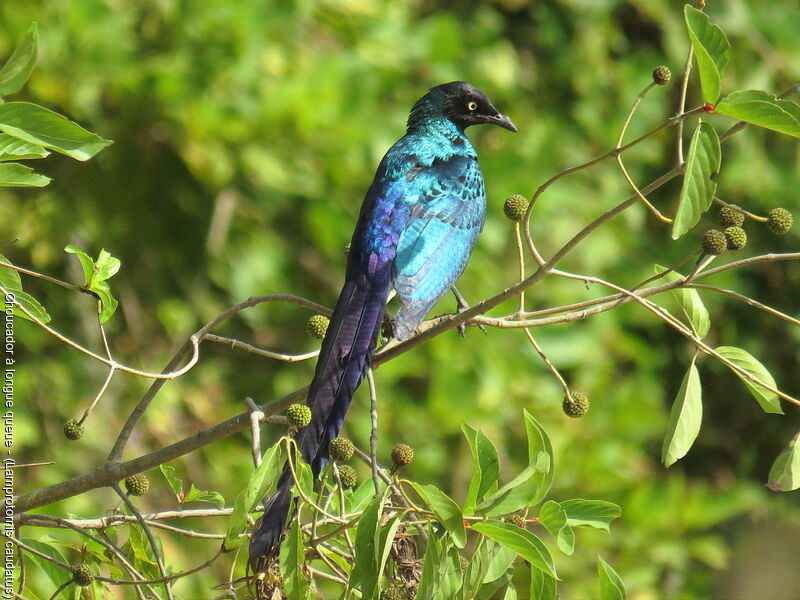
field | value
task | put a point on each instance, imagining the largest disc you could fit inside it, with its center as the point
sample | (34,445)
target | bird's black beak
(503,121)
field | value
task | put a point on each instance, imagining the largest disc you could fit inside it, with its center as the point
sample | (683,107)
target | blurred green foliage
(245,135)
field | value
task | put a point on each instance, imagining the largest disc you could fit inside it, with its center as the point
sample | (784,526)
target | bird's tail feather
(343,360)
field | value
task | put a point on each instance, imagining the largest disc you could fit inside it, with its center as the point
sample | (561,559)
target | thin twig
(150,537)
(255,429)
(373,436)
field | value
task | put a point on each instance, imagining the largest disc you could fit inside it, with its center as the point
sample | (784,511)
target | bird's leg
(461,305)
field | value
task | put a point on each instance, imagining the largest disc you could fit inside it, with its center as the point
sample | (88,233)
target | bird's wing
(435,245)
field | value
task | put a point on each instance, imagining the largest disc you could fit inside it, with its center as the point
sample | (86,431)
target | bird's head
(460,102)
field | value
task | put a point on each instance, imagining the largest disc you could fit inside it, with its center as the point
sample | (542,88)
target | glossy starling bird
(417,227)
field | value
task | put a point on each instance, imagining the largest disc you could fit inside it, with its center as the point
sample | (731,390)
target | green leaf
(13,149)
(30,304)
(195,495)
(762,109)
(499,563)
(364,573)
(543,587)
(18,68)
(105,267)
(430,563)
(590,513)
(87,264)
(56,574)
(478,566)
(699,180)
(17,175)
(684,419)
(532,484)
(611,586)
(291,559)
(261,483)
(554,519)
(385,542)
(523,542)
(784,476)
(711,48)
(37,125)
(485,467)
(107,301)
(511,591)
(768,401)
(446,510)
(9,278)
(176,484)
(540,453)
(690,303)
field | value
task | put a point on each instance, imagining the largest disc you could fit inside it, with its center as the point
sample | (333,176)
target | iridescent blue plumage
(417,227)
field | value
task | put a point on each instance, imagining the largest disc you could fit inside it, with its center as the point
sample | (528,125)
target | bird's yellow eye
(472,105)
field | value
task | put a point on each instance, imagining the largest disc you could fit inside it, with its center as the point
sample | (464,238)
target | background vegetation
(245,135)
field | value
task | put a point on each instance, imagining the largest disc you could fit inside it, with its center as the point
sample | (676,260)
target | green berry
(137,485)
(576,405)
(661,75)
(730,217)
(340,449)
(298,415)
(73,431)
(779,221)
(348,477)
(515,207)
(394,591)
(737,238)
(516,519)
(714,242)
(402,455)
(83,576)
(317,325)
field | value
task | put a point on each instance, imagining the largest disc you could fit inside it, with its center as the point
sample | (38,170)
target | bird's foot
(461,306)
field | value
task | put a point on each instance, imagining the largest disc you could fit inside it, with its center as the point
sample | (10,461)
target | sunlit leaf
(17,175)
(106,266)
(690,302)
(611,586)
(261,483)
(13,149)
(784,476)
(87,263)
(532,484)
(38,125)
(768,401)
(18,67)
(446,510)
(762,109)
(699,180)
(195,495)
(291,560)
(684,419)
(499,563)
(543,587)
(176,484)
(554,519)
(521,541)
(364,572)
(711,48)
(485,467)
(590,513)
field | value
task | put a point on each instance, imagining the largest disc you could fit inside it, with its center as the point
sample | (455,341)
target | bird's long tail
(343,360)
